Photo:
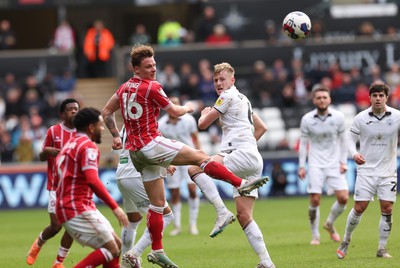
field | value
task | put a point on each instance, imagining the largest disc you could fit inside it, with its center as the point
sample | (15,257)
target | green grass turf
(283,221)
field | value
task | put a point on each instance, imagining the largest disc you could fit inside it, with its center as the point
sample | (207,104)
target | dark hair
(140,52)
(85,117)
(65,102)
(378,86)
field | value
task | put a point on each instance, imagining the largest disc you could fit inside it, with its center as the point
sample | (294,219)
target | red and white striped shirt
(140,101)
(78,165)
(57,136)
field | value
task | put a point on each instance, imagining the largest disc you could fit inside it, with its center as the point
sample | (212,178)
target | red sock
(92,260)
(220,172)
(155,225)
(112,264)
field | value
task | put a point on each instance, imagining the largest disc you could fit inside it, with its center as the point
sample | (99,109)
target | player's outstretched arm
(179,110)
(259,127)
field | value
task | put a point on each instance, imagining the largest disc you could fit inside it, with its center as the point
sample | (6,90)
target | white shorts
(181,173)
(244,164)
(330,177)
(153,159)
(134,195)
(367,186)
(90,228)
(51,206)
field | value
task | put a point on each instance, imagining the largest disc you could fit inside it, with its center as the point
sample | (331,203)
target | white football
(296,25)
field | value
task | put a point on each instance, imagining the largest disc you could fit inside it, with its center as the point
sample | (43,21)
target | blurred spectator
(288,97)
(336,76)
(219,36)
(169,80)
(317,30)
(346,93)
(65,84)
(64,39)
(264,90)
(279,180)
(39,131)
(362,96)
(280,70)
(48,86)
(23,140)
(13,103)
(205,24)
(97,47)
(190,91)
(187,36)
(204,65)
(140,35)
(272,33)
(52,110)
(374,75)
(8,82)
(366,28)
(301,85)
(206,88)
(32,101)
(392,32)
(7,35)
(392,76)
(6,148)
(169,33)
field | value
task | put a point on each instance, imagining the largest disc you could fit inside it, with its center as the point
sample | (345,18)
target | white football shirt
(181,131)
(378,141)
(326,140)
(236,120)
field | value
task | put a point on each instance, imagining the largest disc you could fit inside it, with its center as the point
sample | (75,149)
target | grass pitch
(283,221)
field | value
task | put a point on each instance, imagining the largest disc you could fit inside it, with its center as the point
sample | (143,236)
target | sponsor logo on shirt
(219,101)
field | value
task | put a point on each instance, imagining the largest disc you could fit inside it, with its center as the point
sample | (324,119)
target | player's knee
(243,218)
(193,171)
(56,227)
(343,200)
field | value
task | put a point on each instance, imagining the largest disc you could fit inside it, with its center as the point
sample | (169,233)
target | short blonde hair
(224,66)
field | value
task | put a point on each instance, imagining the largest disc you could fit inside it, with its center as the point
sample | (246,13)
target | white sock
(62,254)
(256,241)
(385,226)
(210,191)
(313,214)
(336,210)
(194,204)
(145,240)
(128,236)
(352,221)
(176,209)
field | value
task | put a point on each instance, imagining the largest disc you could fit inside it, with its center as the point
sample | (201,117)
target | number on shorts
(394,188)
(132,109)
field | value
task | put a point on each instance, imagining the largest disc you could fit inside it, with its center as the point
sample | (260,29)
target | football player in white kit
(241,129)
(376,128)
(323,136)
(136,204)
(182,129)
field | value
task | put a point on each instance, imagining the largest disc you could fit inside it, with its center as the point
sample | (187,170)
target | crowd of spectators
(29,105)
(27,108)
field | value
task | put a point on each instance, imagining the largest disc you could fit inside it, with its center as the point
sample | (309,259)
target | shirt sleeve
(303,143)
(98,188)
(159,97)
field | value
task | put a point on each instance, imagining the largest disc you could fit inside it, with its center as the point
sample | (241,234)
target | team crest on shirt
(389,122)
(162,92)
(219,101)
(91,154)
